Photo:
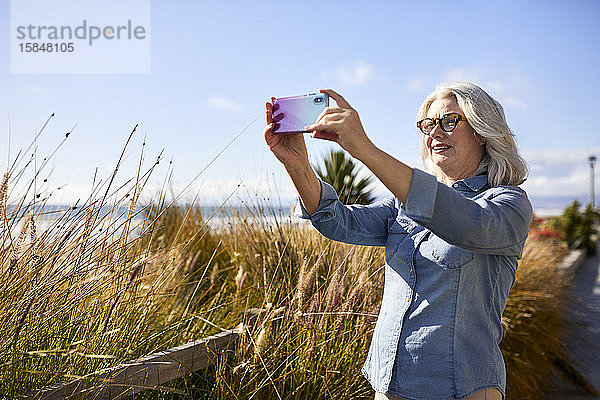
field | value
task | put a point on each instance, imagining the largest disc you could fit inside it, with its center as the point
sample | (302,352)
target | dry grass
(96,285)
(112,280)
(88,302)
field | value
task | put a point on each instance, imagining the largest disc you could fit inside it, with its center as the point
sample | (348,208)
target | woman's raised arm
(342,125)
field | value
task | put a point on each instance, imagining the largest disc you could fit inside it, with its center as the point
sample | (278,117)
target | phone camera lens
(318,100)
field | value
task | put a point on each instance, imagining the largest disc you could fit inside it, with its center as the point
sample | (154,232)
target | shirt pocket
(397,228)
(449,256)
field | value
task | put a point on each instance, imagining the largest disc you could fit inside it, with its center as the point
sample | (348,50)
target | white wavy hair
(485,115)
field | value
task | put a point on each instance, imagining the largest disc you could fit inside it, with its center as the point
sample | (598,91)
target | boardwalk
(583,316)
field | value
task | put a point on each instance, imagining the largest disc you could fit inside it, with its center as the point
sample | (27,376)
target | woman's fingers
(330,118)
(268,128)
(269,112)
(330,111)
(337,97)
(332,136)
(333,117)
(268,132)
(324,125)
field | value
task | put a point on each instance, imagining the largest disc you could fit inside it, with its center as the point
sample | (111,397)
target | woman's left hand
(341,125)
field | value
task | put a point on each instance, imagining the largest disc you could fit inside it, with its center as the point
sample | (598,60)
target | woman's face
(456,153)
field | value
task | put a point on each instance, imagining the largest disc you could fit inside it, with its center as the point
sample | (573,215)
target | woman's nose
(437,132)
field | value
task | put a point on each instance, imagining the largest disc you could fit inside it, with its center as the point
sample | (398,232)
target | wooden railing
(150,371)
(143,374)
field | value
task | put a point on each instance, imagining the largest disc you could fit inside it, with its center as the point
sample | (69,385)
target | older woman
(452,238)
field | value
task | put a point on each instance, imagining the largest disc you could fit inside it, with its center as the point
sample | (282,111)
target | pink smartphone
(292,114)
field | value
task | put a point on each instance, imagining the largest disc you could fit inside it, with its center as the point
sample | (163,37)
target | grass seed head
(240,277)
(18,244)
(214,272)
(261,341)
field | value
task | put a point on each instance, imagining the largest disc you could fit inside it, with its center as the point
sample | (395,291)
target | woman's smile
(440,148)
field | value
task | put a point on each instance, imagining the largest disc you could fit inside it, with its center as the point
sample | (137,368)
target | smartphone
(292,114)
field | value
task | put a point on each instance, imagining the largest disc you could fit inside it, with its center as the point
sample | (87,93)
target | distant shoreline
(544,206)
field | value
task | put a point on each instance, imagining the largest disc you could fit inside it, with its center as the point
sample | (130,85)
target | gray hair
(485,115)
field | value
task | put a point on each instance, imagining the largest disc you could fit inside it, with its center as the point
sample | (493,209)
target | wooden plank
(143,374)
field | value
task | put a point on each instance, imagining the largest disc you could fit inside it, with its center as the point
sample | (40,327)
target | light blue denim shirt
(450,259)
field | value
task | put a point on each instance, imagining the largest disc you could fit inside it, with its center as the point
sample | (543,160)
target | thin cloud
(352,75)
(413,84)
(558,172)
(512,101)
(495,86)
(222,102)
(557,156)
(461,74)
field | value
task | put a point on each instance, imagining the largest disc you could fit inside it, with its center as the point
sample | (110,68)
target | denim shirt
(450,260)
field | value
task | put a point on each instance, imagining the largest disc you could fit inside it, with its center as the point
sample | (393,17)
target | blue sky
(214,64)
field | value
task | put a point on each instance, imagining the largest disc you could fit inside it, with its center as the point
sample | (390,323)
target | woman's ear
(480,139)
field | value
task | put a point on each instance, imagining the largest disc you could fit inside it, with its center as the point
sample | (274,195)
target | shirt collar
(474,183)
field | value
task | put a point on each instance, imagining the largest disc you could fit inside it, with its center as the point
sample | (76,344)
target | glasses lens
(449,122)
(427,125)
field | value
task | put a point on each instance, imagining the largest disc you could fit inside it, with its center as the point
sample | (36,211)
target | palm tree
(342,173)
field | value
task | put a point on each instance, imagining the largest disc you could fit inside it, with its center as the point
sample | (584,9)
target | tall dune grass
(114,279)
(85,302)
(95,285)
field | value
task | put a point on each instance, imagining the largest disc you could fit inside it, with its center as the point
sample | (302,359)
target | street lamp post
(592,160)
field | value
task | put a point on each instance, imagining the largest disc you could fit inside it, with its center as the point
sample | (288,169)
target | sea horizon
(543,206)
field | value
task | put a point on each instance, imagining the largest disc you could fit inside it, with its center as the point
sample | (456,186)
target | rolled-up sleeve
(494,222)
(356,224)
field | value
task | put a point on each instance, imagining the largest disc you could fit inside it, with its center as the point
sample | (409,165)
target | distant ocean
(543,206)
(53,216)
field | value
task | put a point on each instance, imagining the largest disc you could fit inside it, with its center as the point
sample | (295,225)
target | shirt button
(455,185)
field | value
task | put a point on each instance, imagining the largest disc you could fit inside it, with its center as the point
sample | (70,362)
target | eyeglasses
(448,122)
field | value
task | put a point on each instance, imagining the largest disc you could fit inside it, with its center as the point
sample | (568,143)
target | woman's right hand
(290,149)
